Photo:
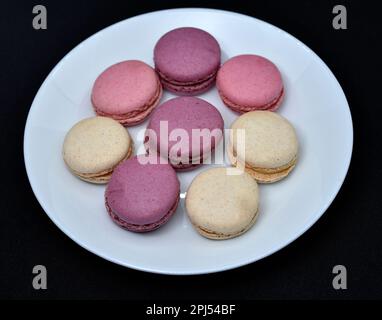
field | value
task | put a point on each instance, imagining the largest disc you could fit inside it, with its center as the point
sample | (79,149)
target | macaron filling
(191,164)
(185,88)
(271,106)
(271,175)
(186,167)
(266,175)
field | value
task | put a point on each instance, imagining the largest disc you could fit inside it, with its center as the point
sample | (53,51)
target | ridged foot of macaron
(127,92)
(189,89)
(270,147)
(249,82)
(214,235)
(268,177)
(142,194)
(180,167)
(145,227)
(222,205)
(187,60)
(137,117)
(264,175)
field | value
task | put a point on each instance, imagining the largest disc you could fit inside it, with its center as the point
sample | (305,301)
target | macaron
(142,194)
(127,92)
(270,147)
(185,130)
(222,205)
(94,147)
(250,82)
(187,60)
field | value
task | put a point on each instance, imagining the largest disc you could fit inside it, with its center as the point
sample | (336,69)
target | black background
(349,233)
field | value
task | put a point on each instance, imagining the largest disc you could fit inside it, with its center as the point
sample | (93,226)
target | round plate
(314,103)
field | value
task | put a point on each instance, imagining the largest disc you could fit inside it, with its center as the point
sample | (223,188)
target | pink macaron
(142,194)
(185,130)
(187,60)
(127,92)
(250,82)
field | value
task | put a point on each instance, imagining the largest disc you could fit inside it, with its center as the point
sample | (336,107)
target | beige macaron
(222,203)
(94,147)
(269,147)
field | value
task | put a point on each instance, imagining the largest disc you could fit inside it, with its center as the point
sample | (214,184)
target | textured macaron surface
(186,115)
(270,139)
(140,193)
(125,87)
(95,145)
(221,203)
(187,55)
(249,81)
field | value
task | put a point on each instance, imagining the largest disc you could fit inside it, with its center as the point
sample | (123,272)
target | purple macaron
(185,130)
(142,194)
(187,60)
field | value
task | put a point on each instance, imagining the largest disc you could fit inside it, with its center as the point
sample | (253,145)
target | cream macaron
(269,147)
(222,203)
(94,147)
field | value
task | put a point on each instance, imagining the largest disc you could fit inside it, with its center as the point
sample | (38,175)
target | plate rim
(208,270)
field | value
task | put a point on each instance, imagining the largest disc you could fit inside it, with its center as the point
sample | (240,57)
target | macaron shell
(249,81)
(188,114)
(125,87)
(95,145)
(144,227)
(222,206)
(270,140)
(102,177)
(135,117)
(142,194)
(187,55)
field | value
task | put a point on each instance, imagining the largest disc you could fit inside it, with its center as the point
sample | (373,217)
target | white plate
(315,104)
